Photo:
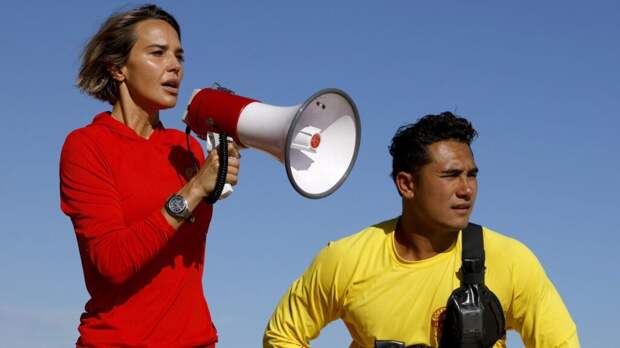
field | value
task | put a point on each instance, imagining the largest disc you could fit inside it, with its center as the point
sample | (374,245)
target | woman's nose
(175,64)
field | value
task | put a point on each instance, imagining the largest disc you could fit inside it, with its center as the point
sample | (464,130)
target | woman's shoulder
(88,140)
(95,128)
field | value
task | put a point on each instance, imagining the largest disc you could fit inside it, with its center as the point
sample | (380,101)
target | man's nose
(466,188)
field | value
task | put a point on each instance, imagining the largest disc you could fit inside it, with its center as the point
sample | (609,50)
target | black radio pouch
(474,316)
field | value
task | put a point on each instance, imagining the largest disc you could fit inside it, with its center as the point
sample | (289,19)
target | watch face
(177,205)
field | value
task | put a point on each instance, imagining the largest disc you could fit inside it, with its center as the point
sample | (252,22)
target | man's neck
(415,240)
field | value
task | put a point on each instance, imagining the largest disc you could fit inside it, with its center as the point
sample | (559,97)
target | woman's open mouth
(171,86)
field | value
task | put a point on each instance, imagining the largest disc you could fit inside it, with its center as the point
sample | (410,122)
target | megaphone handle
(222,151)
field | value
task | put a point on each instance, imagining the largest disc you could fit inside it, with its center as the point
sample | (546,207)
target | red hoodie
(144,278)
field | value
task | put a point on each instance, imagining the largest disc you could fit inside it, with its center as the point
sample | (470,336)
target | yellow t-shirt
(379,296)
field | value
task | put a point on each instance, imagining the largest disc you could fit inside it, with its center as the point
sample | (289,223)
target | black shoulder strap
(472,257)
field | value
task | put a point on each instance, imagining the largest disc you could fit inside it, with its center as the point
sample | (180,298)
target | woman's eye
(157,53)
(181,58)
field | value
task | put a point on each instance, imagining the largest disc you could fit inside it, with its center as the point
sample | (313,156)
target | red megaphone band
(215,111)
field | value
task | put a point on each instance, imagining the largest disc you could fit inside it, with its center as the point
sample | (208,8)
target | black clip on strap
(472,268)
(222,151)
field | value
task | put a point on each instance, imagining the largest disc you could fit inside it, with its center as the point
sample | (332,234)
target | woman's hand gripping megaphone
(209,176)
(222,164)
(213,142)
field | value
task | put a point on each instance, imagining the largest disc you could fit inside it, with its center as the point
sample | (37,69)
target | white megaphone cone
(317,141)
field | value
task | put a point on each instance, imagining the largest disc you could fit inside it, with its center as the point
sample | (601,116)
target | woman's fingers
(234,161)
(233,150)
(208,173)
(231,179)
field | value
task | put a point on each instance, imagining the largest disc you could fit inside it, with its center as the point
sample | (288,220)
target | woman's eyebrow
(163,47)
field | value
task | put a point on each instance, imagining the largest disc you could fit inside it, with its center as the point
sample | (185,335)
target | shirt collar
(105,119)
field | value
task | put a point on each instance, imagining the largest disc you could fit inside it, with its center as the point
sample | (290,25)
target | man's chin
(453,227)
(459,224)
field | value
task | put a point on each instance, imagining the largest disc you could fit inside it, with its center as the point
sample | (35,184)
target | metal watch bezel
(172,206)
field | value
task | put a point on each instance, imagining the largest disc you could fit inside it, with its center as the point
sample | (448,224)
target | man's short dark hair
(409,144)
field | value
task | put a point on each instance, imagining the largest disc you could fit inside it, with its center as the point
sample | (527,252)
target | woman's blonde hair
(110,47)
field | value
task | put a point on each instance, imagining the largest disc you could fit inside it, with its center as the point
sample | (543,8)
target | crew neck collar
(454,247)
(105,119)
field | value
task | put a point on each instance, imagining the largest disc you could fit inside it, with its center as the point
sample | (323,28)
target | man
(391,281)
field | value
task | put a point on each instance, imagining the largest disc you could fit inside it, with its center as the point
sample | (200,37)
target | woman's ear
(405,184)
(116,73)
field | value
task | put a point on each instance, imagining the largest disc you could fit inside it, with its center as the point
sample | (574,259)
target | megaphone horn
(317,141)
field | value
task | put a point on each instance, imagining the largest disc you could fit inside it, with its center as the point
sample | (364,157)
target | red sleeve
(89,197)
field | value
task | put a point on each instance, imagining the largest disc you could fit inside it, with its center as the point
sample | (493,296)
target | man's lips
(461,207)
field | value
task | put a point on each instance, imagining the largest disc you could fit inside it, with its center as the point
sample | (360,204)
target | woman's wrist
(193,193)
(196,190)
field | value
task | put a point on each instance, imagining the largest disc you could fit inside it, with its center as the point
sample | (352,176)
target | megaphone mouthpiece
(309,139)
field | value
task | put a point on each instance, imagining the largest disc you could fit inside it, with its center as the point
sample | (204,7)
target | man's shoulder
(502,248)
(357,255)
(367,241)
(498,240)
(369,234)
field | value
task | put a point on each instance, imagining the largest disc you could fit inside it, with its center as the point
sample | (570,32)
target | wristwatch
(177,207)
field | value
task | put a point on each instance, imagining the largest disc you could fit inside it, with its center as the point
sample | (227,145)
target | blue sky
(539,80)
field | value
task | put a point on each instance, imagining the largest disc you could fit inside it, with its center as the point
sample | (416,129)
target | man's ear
(405,184)
(117,73)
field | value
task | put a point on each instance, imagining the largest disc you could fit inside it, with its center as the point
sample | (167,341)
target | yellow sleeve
(314,300)
(538,312)
(571,342)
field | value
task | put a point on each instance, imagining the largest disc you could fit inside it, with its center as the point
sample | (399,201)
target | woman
(134,191)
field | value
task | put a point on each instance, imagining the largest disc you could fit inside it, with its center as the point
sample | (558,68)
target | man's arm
(314,300)
(538,312)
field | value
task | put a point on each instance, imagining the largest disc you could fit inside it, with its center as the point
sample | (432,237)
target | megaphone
(317,141)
